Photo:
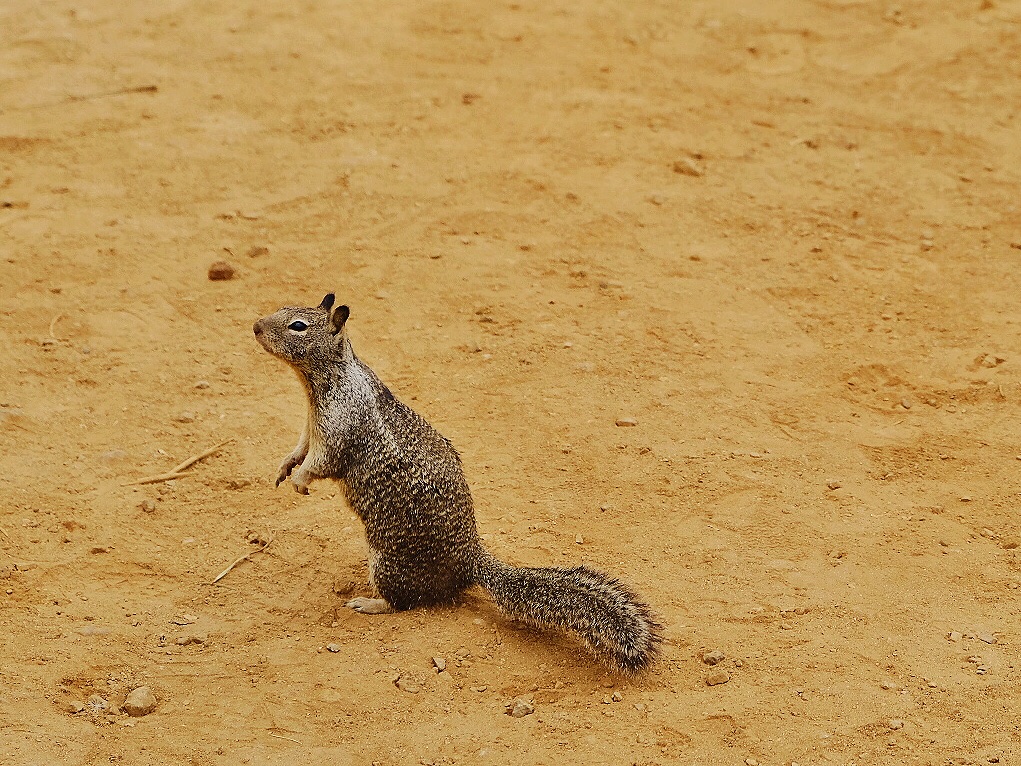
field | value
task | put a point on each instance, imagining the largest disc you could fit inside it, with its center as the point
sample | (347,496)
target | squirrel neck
(342,394)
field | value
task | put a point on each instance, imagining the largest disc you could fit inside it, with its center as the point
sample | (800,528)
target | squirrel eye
(297,326)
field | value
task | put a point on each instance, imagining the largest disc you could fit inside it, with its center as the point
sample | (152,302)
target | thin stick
(788,432)
(53,325)
(289,739)
(237,561)
(90,96)
(157,479)
(118,92)
(4,533)
(178,470)
(193,460)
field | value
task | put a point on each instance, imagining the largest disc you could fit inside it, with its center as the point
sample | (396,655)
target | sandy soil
(784,237)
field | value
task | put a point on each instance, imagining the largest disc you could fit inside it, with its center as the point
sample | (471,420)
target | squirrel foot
(300,479)
(369,605)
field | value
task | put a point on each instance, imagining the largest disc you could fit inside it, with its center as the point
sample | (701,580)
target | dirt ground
(783,237)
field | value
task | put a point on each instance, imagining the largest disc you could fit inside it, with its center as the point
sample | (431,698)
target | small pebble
(73,707)
(966,499)
(617,697)
(579,539)
(751,762)
(888,685)
(408,684)
(906,404)
(147,506)
(256,250)
(988,638)
(657,199)
(627,422)
(333,647)
(933,685)
(521,708)
(139,702)
(185,417)
(688,167)
(834,484)
(895,724)
(190,638)
(221,271)
(713,657)
(93,630)
(440,664)
(716,677)
(202,384)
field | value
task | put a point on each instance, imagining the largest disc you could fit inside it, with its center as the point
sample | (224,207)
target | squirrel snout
(257,327)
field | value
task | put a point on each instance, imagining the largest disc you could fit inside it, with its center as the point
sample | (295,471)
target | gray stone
(713,657)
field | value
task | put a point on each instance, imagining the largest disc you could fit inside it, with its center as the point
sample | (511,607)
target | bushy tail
(609,618)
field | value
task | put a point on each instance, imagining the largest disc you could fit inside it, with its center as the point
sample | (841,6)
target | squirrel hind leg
(365,605)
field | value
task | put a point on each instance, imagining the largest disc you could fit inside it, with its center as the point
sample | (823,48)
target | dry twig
(237,561)
(289,739)
(178,470)
(53,325)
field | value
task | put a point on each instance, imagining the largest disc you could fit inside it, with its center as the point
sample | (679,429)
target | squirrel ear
(339,318)
(327,303)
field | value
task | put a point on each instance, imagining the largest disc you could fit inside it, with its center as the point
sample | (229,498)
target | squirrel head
(305,338)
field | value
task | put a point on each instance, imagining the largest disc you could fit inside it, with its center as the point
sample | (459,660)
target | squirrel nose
(257,327)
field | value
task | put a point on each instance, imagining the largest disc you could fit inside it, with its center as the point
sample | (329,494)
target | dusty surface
(782,237)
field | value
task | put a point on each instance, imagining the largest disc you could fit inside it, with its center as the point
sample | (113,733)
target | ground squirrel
(404,480)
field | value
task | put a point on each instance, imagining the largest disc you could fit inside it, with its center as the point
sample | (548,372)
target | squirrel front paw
(290,463)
